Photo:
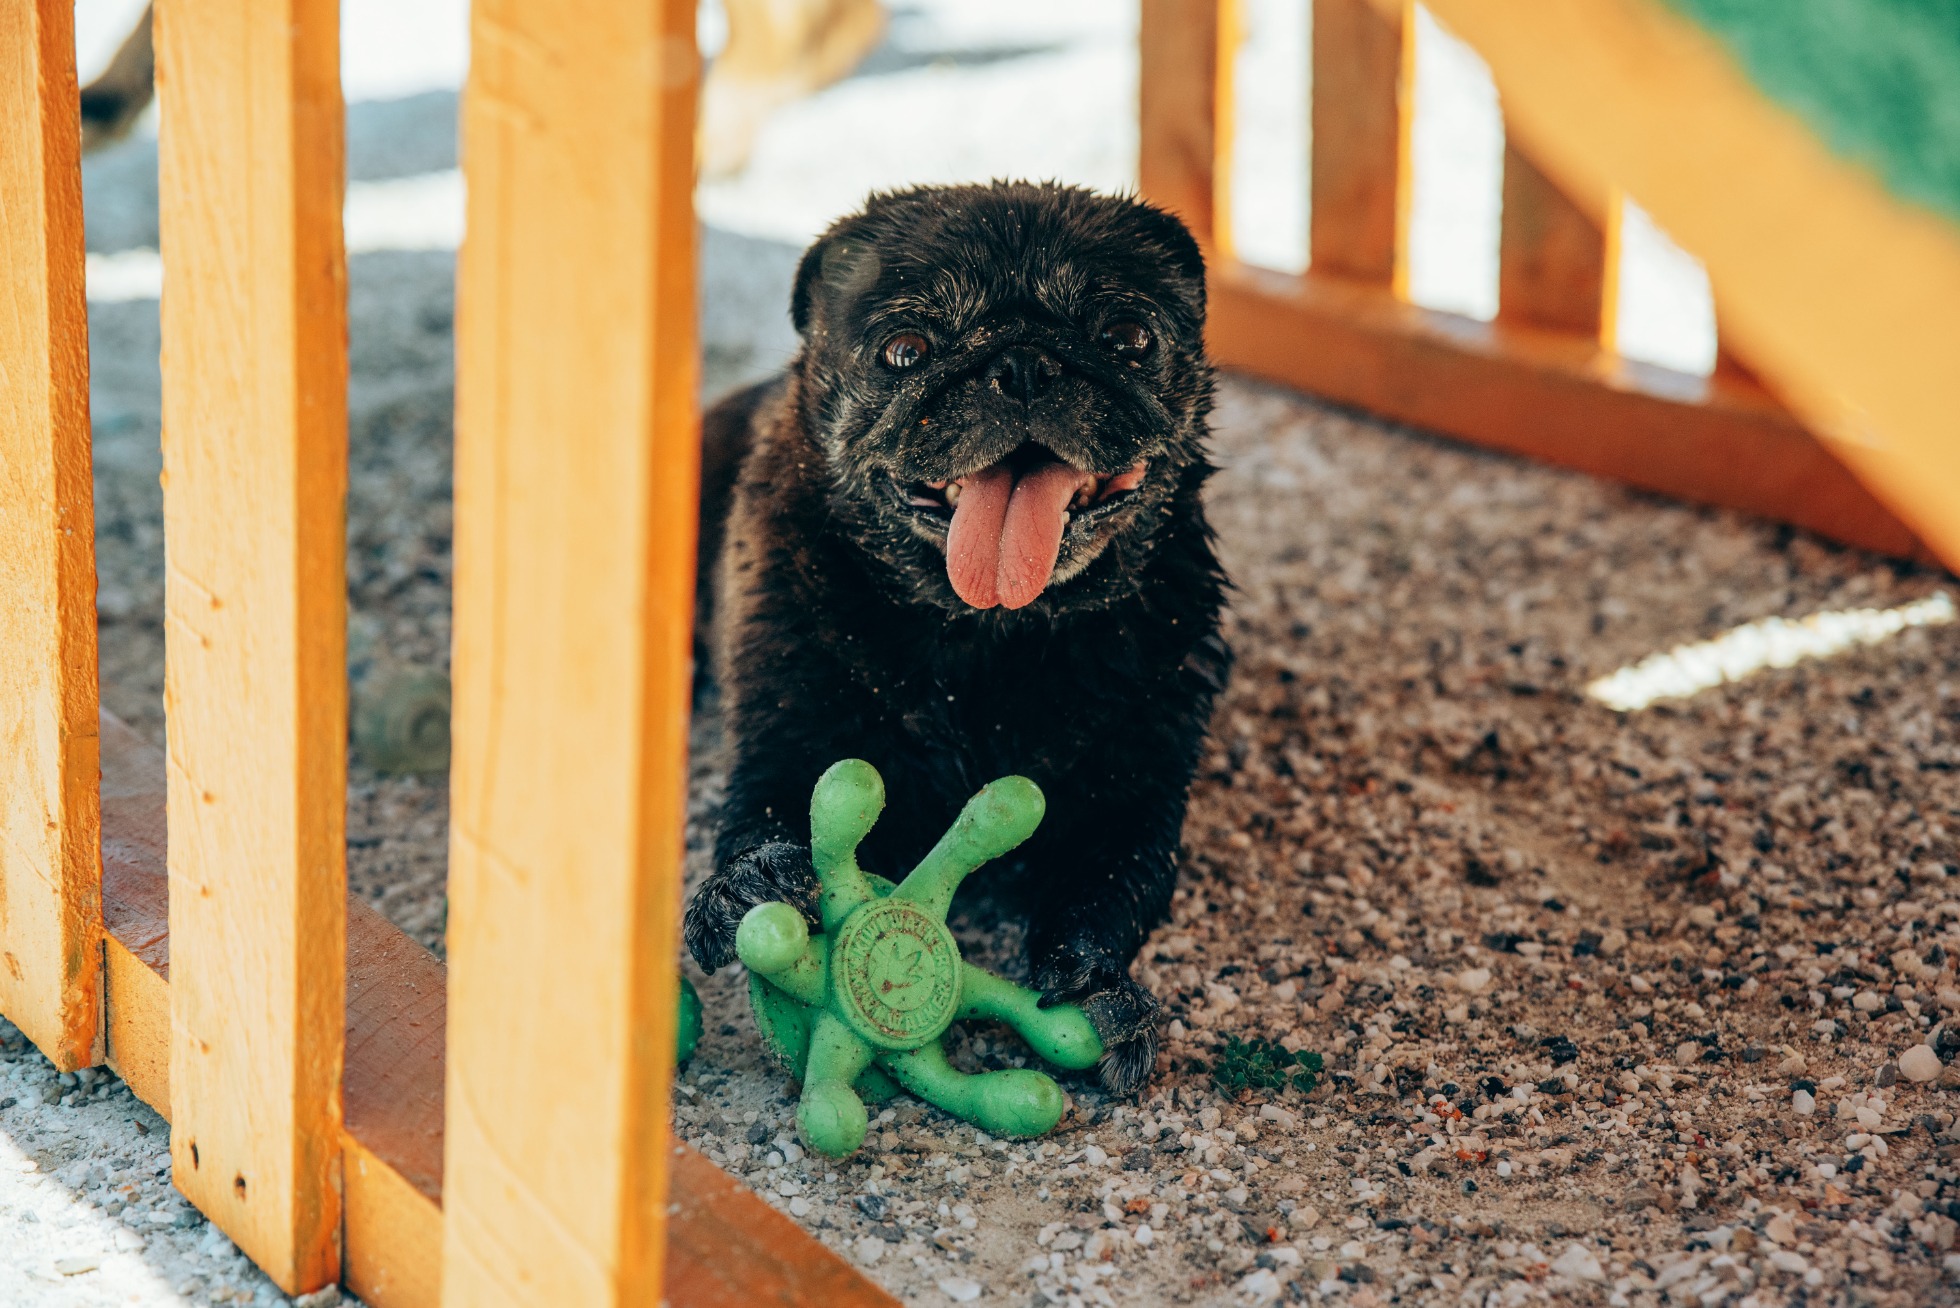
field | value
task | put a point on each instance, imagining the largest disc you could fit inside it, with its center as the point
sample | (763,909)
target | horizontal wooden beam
(1550,395)
(726,1247)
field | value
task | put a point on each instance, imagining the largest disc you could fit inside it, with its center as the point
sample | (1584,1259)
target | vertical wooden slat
(255,475)
(1558,263)
(577,452)
(50,862)
(1363,88)
(1185,50)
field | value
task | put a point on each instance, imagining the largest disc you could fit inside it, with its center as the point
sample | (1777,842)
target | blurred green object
(688,1028)
(859,1010)
(401,720)
(1262,1064)
(1877,80)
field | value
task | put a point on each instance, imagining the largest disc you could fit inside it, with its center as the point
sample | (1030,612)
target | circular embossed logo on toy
(897,970)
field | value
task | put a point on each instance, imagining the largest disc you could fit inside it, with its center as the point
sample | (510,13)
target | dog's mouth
(1007,520)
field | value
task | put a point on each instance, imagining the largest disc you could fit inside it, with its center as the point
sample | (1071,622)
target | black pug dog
(963,539)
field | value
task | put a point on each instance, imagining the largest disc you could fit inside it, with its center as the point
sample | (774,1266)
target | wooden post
(577,453)
(1558,263)
(1363,88)
(50,858)
(255,476)
(1185,51)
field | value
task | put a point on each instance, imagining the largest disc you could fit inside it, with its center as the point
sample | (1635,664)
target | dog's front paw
(1125,1015)
(778,871)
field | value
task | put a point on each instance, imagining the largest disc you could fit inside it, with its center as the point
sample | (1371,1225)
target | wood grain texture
(1844,300)
(394,1231)
(395,1037)
(1558,263)
(50,886)
(255,473)
(577,449)
(1363,89)
(135,913)
(1184,123)
(728,1249)
(1549,395)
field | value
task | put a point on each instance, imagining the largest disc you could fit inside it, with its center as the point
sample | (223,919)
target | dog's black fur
(838,634)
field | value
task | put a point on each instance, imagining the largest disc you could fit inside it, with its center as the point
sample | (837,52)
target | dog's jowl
(962,537)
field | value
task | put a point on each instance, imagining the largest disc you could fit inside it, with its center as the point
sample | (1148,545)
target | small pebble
(1579,1264)
(1919,1063)
(1473,980)
(959,1289)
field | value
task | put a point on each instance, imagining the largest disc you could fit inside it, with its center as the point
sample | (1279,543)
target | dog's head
(1008,385)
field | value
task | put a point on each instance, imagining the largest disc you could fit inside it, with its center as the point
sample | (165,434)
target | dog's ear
(840,266)
(1168,232)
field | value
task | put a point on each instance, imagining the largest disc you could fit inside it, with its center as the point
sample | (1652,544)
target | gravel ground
(1614,1008)
(87,1215)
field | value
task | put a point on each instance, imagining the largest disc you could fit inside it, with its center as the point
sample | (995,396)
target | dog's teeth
(1065,518)
(952,492)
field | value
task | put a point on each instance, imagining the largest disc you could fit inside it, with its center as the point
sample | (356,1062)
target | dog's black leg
(1091,910)
(762,849)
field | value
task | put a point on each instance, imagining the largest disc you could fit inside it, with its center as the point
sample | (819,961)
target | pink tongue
(1006,534)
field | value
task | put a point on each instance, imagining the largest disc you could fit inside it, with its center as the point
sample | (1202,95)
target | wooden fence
(342,1105)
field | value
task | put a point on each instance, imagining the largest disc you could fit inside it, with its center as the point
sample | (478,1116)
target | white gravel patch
(87,1212)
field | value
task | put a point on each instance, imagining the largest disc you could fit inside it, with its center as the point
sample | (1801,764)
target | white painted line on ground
(1772,643)
(423,212)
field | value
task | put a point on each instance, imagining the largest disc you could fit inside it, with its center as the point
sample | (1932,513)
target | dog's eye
(1129,340)
(905,349)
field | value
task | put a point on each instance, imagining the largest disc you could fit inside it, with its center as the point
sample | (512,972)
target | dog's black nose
(1022,372)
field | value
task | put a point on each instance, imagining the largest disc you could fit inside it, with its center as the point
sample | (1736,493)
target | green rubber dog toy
(858,1011)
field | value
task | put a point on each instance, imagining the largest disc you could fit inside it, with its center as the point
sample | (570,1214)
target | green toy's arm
(1062,1035)
(773,940)
(845,804)
(830,1115)
(1001,816)
(687,1021)
(1015,1102)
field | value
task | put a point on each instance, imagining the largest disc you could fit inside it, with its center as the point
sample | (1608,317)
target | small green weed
(1260,1064)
